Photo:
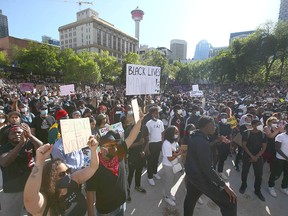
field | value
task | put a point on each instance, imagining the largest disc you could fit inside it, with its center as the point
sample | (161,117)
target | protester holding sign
(109,180)
(52,190)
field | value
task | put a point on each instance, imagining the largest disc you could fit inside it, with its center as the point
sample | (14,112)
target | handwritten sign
(75,134)
(142,79)
(195,87)
(26,87)
(67,89)
(115,127)
(196,93)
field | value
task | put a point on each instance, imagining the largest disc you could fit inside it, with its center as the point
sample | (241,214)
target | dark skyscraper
(283,13)
(3,25)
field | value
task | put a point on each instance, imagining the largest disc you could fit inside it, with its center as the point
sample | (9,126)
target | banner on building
(142,79)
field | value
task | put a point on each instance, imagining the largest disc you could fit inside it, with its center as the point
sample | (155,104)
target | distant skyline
(163,21)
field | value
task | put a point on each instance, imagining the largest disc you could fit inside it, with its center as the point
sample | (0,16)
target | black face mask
(64,182)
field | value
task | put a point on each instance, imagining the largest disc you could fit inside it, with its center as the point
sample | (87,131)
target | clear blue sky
(164,20)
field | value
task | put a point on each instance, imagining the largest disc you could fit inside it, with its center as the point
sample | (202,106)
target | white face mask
(190,132)
(176,136)
(2,120)
(197,113)
(260,127)
(24,110)
(130,112)
(179,112)
(240,113)
(224,120)
(274,125)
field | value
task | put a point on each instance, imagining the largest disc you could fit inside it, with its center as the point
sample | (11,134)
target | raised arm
(83,175)
(134,132)
(34,201)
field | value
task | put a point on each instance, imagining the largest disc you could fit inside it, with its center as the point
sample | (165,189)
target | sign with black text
(142,79)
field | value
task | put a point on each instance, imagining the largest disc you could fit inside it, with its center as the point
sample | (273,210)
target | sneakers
(170,201)
(140,189)
(151,182)
(157,176)
(242,189)
(284,190)
(200,201)
(259,195)
(272,191)
(223,176)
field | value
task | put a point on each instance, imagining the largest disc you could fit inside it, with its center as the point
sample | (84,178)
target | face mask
(189,113)
(24,110)
(190,132)
(240,113)
(260,127)
(274,125)
(2,120)
(197,113)
(224,120)
(176,137)
(130,112)
(247,123)
(44,112)
(179,112)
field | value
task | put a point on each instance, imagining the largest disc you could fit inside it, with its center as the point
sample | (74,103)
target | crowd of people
(195,134)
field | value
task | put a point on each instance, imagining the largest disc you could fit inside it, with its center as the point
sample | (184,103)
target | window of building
(62,37)
(74,33)
(66,41)
(109,41)
(99,36)
(104,39)
(74,39)
(66,36)
(70,34)
(70,40)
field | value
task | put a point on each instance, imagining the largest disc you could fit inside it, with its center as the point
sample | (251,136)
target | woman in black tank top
(52,190)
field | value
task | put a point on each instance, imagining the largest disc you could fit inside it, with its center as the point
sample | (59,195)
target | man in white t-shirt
(281,163)
(152,149)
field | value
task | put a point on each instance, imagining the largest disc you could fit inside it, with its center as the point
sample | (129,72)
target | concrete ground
(248,203)
(152,204)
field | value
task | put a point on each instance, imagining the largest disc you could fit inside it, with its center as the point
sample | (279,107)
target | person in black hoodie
(201,177)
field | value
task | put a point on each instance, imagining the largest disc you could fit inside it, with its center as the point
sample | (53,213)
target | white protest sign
(196,93)
(195,87)
(115,127)
(75,134)
(142,79)
(67,89)
(135,108)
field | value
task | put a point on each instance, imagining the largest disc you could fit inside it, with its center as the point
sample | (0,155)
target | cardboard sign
(67,89)
(195,87)
(196,93)
(75,133)
(115,127)
(26,87)
(142,79)
(135,108)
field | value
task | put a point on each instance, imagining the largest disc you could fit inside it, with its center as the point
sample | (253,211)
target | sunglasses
(64,173)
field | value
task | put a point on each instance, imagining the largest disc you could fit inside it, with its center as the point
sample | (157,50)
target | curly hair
(48,187)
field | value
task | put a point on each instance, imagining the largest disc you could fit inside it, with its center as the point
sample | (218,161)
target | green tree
(129,58)
(3,58)
(38,58)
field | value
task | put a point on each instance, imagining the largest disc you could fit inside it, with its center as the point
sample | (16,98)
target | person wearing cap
(254,143)
(76,114)
(155,128)
(109,181)
(53,133)
(195,116)
(101,122)
(16,161)
(223,147)
(41,124)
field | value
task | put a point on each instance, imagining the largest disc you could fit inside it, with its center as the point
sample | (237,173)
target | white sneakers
(272,191)
(223,176)
(284,190)
(157,176)
(170,201)
(151,182)
(200,201)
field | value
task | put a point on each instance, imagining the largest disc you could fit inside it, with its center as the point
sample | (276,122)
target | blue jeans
(117,212)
